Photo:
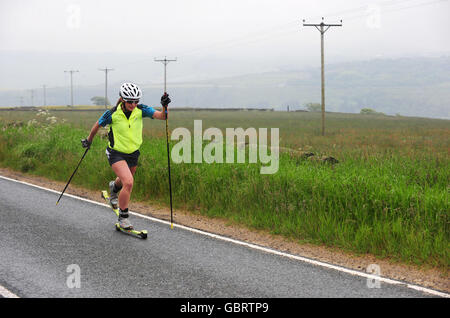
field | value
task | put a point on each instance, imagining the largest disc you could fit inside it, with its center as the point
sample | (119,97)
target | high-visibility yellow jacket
(125,134)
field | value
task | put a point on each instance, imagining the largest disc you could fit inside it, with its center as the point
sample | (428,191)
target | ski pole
(165,62)
(168,164)
(72,176)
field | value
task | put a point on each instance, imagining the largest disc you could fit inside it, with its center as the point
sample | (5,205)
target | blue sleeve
(147,111)
(106,119)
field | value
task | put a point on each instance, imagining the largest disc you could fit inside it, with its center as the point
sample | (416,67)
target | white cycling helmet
(130,91)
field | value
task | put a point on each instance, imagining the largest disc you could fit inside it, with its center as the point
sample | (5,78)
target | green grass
(388,195)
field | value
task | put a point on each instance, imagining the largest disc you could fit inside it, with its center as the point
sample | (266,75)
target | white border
(256,247)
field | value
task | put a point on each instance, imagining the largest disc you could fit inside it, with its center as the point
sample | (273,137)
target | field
(387,195)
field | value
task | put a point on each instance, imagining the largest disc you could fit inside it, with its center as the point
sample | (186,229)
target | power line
(276,30)
(416,5)
(363,8)
(291,27)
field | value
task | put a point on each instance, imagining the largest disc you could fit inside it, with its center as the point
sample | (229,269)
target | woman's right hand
(86,143)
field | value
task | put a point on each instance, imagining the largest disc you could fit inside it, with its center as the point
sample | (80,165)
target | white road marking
(6,293)
(256,247)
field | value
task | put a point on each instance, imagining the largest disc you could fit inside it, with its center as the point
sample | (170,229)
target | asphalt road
(42,247)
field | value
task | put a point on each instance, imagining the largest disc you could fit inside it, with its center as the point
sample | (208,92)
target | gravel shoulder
(424,276)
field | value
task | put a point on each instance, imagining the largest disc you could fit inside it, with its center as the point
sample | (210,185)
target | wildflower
(52,119)
(32,122)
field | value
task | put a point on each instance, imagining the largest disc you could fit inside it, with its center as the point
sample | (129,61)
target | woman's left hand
(165,100)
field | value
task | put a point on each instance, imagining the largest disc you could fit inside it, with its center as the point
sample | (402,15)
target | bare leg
(125,178)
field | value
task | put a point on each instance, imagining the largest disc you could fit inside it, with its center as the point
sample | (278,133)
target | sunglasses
(131,101)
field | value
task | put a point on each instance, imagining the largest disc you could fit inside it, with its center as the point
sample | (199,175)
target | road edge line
(4,292)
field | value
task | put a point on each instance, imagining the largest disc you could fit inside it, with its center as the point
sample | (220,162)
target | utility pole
(322,27)
(165,61)
(71,85)
(106,83)
(45,100)
(32,97)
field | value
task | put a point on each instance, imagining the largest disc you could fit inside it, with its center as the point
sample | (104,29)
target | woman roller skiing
(125,138)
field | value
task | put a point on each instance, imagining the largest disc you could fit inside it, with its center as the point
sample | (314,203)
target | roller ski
(123,225)
(141,234)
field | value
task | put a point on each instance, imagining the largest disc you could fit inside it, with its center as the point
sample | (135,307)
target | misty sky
(210,38)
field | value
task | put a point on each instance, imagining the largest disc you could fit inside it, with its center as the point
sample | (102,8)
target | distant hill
(408,86)
(414,87)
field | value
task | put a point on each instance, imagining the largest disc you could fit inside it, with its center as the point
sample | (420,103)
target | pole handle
(165,112)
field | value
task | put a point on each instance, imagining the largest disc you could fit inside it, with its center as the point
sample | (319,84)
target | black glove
(165,100)
(85,143)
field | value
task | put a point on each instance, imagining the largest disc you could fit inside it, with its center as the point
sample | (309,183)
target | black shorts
(115,156)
